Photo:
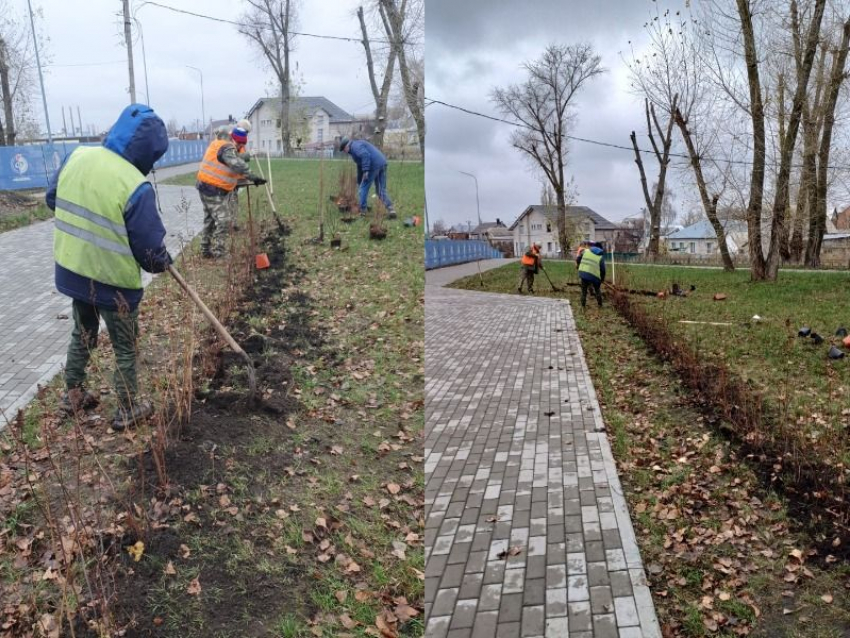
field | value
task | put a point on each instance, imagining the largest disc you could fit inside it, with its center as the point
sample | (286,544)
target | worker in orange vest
(221,169)
(530,264)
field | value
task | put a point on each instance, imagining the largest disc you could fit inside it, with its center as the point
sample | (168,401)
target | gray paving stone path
(35,319)
(516,457)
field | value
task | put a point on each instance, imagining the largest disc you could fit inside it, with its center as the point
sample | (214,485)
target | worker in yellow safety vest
(591,272)
(530,264)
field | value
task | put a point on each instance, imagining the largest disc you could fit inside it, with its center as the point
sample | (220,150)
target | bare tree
(788,140)
(17,81)
(662,156)
(405,22)
(269,25)
(382,94)
(672,78)
(818,211)
(757,174)
(543,107)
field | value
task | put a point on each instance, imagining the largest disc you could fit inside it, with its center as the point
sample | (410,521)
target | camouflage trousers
(219,217)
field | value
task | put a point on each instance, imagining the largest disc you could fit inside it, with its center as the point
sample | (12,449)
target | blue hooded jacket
(596,250)
(368,158)
(140,137)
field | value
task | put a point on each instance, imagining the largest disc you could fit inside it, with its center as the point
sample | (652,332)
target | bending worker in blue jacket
(591,271)
(371,167)
(107,226)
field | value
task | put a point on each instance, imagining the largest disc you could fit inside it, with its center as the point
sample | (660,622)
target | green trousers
(123,327)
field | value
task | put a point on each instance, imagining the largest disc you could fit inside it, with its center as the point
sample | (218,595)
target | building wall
(265,131)
(536,227)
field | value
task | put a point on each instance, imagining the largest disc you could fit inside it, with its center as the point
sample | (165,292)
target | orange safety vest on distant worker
(214,172)
(531,257)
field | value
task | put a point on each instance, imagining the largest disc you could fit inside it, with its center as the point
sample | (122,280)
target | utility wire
(606,144)
(233,22)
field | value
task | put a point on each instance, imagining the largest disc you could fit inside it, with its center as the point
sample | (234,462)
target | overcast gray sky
(234,76)
(475,45)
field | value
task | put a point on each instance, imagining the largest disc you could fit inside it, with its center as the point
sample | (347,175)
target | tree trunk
(779,229)
(807,195)
(754,208)
(285,127)
(709,204)
(837,76)
(8,114)
(655,203)
(395,20)
(381,95)
(652,244)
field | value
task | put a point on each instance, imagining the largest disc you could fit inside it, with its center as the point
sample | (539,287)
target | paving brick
(501,475)
(533,621)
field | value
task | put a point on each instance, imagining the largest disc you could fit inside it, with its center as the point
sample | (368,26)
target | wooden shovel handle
(219,328)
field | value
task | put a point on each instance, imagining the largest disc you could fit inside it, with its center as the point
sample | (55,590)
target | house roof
(498,231)
(551,212)
(704,230)
(309,105)
(484,226)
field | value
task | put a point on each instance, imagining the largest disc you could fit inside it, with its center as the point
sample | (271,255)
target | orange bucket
(262,261)
(846,342)
(416,220)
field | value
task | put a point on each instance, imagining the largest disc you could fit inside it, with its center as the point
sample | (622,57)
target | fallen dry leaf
(194,587)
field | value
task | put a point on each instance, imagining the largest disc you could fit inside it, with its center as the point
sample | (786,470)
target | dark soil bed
(217,438)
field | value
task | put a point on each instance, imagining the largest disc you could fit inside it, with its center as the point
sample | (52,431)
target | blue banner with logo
(29,167)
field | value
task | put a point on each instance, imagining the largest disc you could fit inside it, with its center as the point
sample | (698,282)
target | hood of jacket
(596,250)
(139,136)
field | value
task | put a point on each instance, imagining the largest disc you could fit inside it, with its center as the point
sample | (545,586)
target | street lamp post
(40,76)
(144,61)
(478,207)
(203,113)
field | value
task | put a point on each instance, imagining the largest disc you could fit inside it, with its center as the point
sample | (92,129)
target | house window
(709,248)
(320,135)
(548,227)
(549,246)
(693,247)
(521,227)
(278,145)
(320,120)
(278,124)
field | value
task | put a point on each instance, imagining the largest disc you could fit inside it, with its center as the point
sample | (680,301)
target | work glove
(259,181)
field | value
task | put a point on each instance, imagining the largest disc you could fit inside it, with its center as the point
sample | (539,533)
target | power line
(605,144)
(233,22)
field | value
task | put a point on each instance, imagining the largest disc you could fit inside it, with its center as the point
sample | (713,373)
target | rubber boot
(132,416)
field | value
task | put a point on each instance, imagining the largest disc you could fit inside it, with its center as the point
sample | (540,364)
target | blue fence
(23,167)
(445,252)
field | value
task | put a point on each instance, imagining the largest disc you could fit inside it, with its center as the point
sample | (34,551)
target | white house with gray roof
(537,224)
(700,238)
(316,122)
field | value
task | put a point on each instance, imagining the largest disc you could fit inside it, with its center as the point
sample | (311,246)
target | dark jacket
(140,137)
(368,158)
(586,275)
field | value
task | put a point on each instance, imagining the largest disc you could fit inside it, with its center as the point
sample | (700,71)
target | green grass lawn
(12,221)
(790,371)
